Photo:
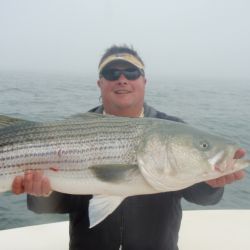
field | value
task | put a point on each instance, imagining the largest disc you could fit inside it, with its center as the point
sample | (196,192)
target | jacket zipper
(121,230)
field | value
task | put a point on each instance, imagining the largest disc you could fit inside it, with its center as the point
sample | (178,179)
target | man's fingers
(227,179)
(33,183)
(46,188)
(239,153)
(17,185)
(37,183)
(28,182)
(239,175)
(220,182)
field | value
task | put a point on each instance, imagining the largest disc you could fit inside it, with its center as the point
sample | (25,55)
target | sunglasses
(112,74)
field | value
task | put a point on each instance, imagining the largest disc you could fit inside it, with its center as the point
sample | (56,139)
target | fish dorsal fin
(6,121)
(100,206)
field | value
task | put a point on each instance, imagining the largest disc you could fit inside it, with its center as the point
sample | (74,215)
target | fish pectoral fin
(115,173)
(100,206)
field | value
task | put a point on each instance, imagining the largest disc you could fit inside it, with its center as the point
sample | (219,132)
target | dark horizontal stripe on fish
(57,124)
(61,144)
(38,135)
(45,162)
(13,173)
(62,151)
(61,138)
(65,127)
(31,165)
(16,157)
(45,130)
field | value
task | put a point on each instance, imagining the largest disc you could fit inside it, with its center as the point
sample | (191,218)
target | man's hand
(32,182)
(227,179)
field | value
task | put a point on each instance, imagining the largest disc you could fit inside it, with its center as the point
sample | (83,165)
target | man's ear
(99,83)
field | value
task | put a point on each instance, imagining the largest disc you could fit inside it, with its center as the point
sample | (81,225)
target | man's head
(122,81)
(122,54)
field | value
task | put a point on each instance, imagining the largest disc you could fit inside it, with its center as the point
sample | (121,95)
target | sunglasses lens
(111,74)
(132,73)
(114,74)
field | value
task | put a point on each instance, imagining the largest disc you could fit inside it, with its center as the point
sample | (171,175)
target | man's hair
(113,50)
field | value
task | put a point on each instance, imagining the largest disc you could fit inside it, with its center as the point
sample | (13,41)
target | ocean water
(216,105)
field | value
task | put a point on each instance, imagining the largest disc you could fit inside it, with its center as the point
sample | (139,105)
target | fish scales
(54,142)
(63,148)
(61,125)
(61,140)
(33,132)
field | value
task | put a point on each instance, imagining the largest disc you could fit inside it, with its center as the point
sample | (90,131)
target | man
(140,222)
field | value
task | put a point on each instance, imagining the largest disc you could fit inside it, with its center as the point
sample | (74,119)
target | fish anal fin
(100,206)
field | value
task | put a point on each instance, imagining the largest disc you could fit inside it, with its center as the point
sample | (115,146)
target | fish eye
(204,145)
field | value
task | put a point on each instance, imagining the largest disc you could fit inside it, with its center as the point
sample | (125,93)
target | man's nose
(122,79)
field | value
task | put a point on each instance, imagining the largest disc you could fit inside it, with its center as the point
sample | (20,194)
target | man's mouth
(122,91)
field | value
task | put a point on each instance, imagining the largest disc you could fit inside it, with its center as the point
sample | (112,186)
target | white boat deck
(200,230)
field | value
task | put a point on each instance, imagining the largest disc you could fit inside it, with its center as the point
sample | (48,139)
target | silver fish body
(71,152)
(111,149)
(114,156)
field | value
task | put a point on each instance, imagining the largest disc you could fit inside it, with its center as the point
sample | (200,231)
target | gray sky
(205,38)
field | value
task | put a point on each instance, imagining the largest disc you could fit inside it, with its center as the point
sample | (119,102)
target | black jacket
(146,222)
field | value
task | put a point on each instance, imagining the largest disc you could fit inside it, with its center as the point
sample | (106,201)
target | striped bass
(113,157)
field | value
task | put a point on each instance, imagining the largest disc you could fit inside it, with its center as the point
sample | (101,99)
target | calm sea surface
(218,106)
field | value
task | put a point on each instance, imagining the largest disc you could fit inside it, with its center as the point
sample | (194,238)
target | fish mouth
(224,161)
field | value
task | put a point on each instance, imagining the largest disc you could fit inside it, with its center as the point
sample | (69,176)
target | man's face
(122,93)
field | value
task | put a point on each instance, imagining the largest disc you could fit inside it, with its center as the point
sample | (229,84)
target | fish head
(177,156)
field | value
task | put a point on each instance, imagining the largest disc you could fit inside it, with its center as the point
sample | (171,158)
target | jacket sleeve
(203,194)
(58,203)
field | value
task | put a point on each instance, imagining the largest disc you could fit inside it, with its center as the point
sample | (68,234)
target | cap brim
(121,57)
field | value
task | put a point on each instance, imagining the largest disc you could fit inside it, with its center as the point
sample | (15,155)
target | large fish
(113,157)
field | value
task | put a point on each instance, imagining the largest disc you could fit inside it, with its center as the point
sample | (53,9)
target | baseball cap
(126,57)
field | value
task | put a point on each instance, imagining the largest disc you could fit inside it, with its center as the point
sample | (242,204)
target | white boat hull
(200,230)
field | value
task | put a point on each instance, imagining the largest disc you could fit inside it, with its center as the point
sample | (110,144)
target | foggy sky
(205,38)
